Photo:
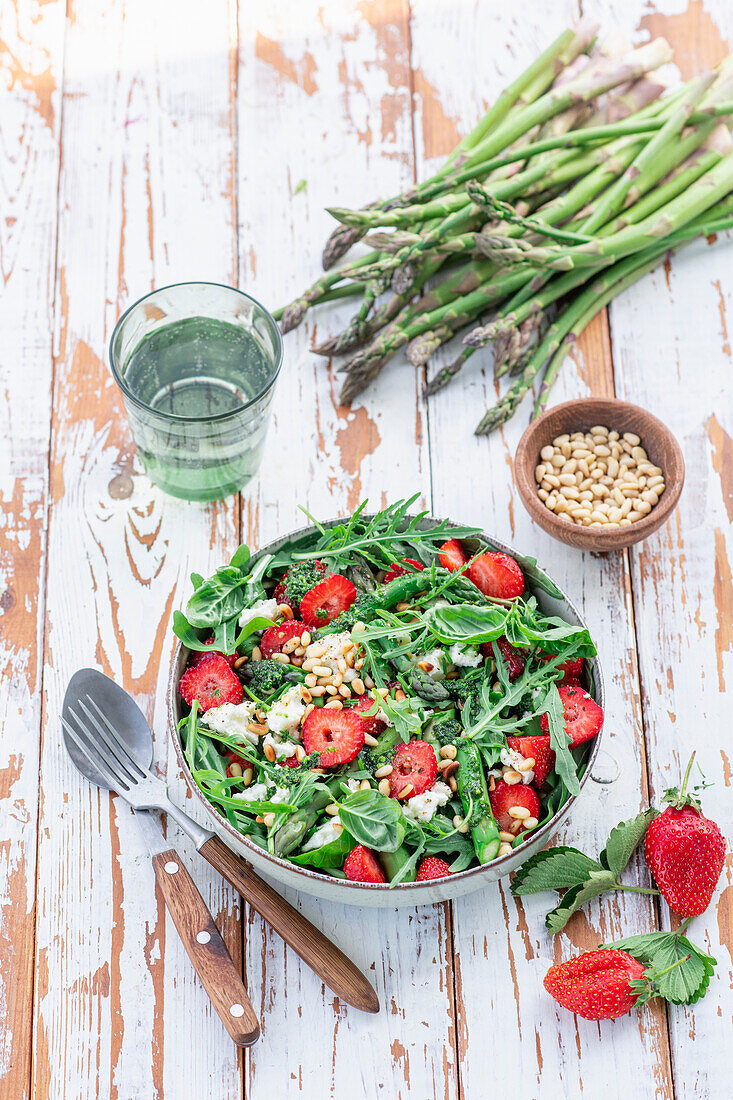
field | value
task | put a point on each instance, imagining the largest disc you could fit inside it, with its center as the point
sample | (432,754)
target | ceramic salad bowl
(325,886)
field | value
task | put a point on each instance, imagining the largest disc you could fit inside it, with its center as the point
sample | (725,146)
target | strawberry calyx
(678,798)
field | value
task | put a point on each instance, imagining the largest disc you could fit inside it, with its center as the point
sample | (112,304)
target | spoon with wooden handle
(120,723)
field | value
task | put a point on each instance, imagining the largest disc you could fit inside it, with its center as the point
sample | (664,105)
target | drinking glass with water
(196,364)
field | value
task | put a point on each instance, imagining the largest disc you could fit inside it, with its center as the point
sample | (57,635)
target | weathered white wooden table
(150,141)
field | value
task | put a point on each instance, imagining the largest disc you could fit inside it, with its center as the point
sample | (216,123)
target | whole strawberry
(685,852)
(596,985)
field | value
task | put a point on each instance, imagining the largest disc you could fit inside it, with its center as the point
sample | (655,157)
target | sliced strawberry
(362,865)
(288,762)
(432,867)
(281,591)
(212,682)
(275,637)
(538,748)
(583,716)
(497,575)
(505,797)
(452,555)
(571,670)
(372,724)
(327,600)
(514,658)
(396,571)
(338,735)
(197,658)
(413,763)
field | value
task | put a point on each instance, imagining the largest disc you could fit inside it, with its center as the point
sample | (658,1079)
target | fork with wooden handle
(121,729)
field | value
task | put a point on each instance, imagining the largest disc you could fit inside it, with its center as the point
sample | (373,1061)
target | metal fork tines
(104,748)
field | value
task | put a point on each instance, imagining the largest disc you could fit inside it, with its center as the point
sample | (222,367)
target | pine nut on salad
(382,699)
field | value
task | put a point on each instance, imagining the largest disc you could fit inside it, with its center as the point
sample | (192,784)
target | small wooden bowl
(578,416)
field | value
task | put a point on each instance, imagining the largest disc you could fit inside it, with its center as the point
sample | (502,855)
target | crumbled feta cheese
(324,835)
(282,749)
(232,719)
(286,712)
(256,793)
(510,758)
(464,656)
(436,658)
(260,792)
(266,609)
(352,784)
(422,807)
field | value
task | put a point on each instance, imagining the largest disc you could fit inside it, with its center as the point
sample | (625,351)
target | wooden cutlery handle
(330,964)
(206,949)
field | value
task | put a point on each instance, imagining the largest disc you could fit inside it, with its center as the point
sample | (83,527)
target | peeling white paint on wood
(182,160)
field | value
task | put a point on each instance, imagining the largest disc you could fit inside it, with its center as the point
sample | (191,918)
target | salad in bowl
(387,700)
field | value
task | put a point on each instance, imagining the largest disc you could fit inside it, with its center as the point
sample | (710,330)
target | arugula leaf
(373,820)
(220,597)
(189,738)
(559,739)
(406,715)
(624,840)
(596,883)
(554,869)
(686,983)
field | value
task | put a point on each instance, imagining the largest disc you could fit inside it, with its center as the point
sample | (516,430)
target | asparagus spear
(475,801)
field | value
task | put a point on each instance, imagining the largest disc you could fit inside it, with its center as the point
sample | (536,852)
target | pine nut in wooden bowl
(626,458)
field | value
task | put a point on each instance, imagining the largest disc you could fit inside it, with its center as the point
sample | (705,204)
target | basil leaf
(183,630)
(373,820)
(328,855)
(559,739)
(241,557)
(554,869)
(218,598)
(467,623)
(624,840)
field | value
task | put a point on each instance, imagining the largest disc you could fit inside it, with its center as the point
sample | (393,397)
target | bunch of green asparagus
(583,176)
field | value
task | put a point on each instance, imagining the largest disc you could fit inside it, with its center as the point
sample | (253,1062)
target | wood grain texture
(501,946)
(328,83)
(308,942)
(205,144)
(206,948)
(146,198)
(681,576)
(31,60)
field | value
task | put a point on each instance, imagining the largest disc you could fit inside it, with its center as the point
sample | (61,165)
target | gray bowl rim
(544,833)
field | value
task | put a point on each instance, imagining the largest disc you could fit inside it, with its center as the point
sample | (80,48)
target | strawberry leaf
(555,869)
(597,883)
(687,982)
(624,840)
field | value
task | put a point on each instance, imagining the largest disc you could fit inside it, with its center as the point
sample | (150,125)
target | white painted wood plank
(324,91)
(683,591)
(146,199)
(502,945)
(31,55)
